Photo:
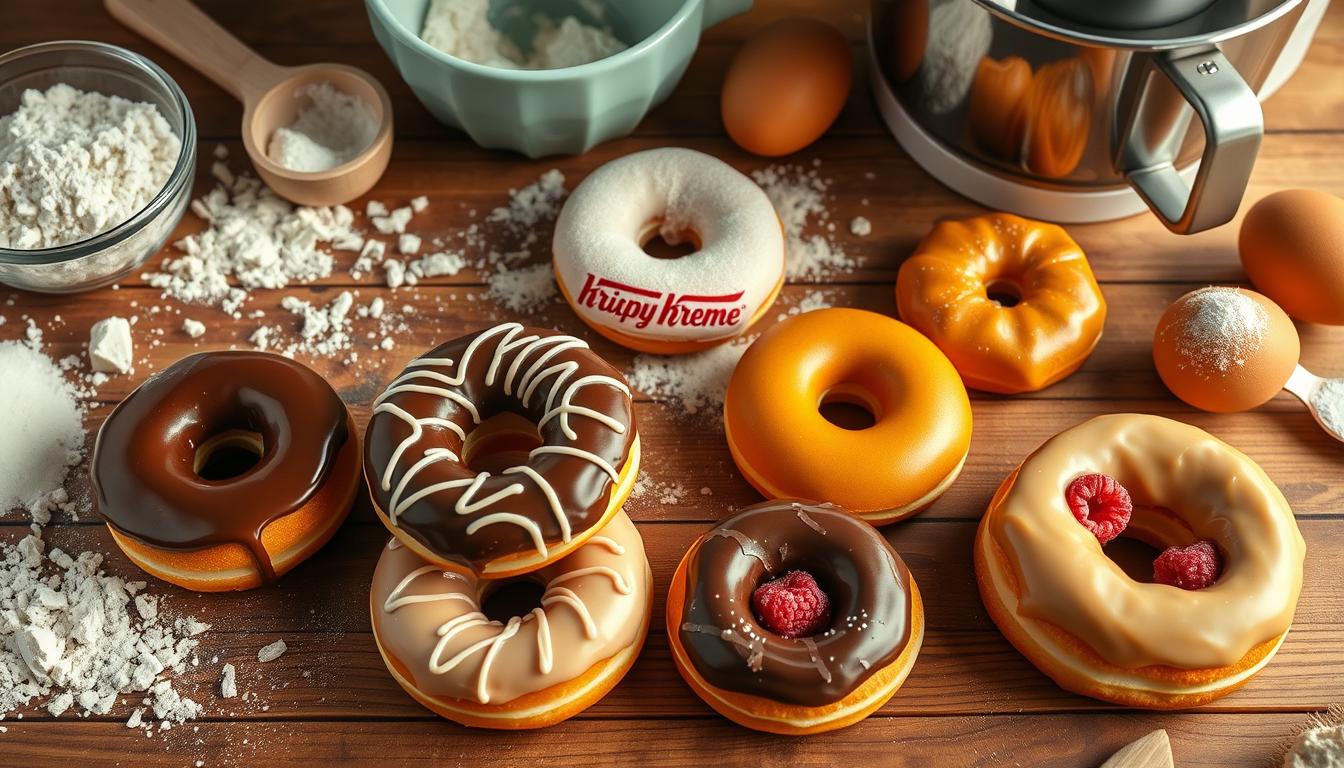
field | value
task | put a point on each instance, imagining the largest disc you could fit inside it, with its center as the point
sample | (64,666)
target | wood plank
(1065,741)
(332,668)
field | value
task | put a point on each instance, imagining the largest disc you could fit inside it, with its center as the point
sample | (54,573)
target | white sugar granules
(522,290)
(253,237)
(1328,402)
(74,164)
(1219,327)
(696,383)
(44,431)
(82,638)
(1318,747)
(462,28)
(799,196)
(332,129)
(269,653)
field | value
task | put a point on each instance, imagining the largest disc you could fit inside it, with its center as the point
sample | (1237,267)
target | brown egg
(786,86)
(998,105)
(1225,349)
(1292,246)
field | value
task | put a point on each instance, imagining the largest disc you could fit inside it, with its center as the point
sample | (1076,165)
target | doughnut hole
(501,441)
(849,406)
(507,599)
(229,454)
(1005,292)
(662,241)
(1151,530)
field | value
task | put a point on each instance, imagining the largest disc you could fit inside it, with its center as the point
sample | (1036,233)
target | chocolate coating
(144,460)
(867,582)
(508,365)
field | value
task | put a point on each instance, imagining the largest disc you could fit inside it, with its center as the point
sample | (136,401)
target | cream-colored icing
(594,606)
(600,234)
(1221,494)
(507,337)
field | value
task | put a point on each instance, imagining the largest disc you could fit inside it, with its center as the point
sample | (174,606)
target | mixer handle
(1153,119)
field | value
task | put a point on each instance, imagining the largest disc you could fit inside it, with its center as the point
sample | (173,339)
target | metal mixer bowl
(107,256)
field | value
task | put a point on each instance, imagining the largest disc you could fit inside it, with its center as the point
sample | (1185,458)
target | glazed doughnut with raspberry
(677,305)
(226,470)
(1221,594)
(794,618)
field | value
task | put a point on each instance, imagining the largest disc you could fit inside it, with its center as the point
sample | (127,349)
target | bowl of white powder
(97,158)
(543,77)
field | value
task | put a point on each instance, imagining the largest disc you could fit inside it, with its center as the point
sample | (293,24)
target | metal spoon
(1308,387)
(270,96)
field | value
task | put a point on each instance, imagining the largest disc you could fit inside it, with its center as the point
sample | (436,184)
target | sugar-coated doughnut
(669,305)
(430,420)
(1012,302)
(525,671)
(1094,630)
(786,448)
(860,653)
(226,469)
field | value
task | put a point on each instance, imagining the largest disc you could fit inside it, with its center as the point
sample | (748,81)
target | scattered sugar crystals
(799,196)
(696,383)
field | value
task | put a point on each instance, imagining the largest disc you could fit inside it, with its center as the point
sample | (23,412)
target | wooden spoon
(1151,751)
(270,96)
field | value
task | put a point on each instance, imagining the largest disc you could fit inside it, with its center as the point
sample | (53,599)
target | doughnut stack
(500,462)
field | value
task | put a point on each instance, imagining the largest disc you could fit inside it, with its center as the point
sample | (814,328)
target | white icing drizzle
(809,522)
(555,594)
(508,339)
(757,650)
(812,654)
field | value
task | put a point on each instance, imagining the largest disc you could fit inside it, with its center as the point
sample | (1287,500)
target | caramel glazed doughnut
(679,305)
(428,423)
(529,671)
(1094,630)
(226,470)
(802,685)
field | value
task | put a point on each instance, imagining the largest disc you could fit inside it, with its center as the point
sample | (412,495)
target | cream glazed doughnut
(1095,630)
(529,671)
(669,305)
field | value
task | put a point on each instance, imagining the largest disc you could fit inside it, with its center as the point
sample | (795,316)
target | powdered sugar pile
(462,28)
(75,164)
(799,195)
(523,290)
(1220,328)
(1328,402)
(332,129)
(1319,745)
(44,431)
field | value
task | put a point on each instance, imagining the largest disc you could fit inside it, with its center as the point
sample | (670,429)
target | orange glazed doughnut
(226,470)
(525,671)
(1012,302)
(888,471)
(846,658)
(1093,629)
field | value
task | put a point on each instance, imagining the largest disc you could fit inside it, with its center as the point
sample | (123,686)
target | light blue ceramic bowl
(557,111)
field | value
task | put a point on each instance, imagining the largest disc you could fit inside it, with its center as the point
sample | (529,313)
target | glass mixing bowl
(107,256)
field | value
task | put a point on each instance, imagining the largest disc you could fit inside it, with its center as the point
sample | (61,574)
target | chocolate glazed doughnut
(832,678)
(188,516)
(427,424)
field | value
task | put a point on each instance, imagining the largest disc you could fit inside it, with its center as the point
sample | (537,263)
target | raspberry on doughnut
(536,388)
(787,448)
(794,618)
(1225,587)
(532,668)
(677,305)
(226,469)
(1011,302)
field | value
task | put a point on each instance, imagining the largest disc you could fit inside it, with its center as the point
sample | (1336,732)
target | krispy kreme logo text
(643,307)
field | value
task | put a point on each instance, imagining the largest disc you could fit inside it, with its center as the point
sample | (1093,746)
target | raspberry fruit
(1193,567)
(1101,504)
(792,605)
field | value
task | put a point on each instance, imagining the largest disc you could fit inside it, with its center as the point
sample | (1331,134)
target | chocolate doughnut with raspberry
(794,618)
(226,470)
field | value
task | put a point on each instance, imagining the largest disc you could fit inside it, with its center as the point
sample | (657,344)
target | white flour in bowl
(74,164)
(462,28)
(332,130)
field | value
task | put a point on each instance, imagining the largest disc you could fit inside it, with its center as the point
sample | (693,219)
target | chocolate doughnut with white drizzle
(867,582)
(529,514)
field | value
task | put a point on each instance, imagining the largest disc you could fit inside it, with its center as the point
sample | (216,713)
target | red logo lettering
(642,307)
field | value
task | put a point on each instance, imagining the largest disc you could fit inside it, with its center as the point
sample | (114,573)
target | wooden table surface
(971,699)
